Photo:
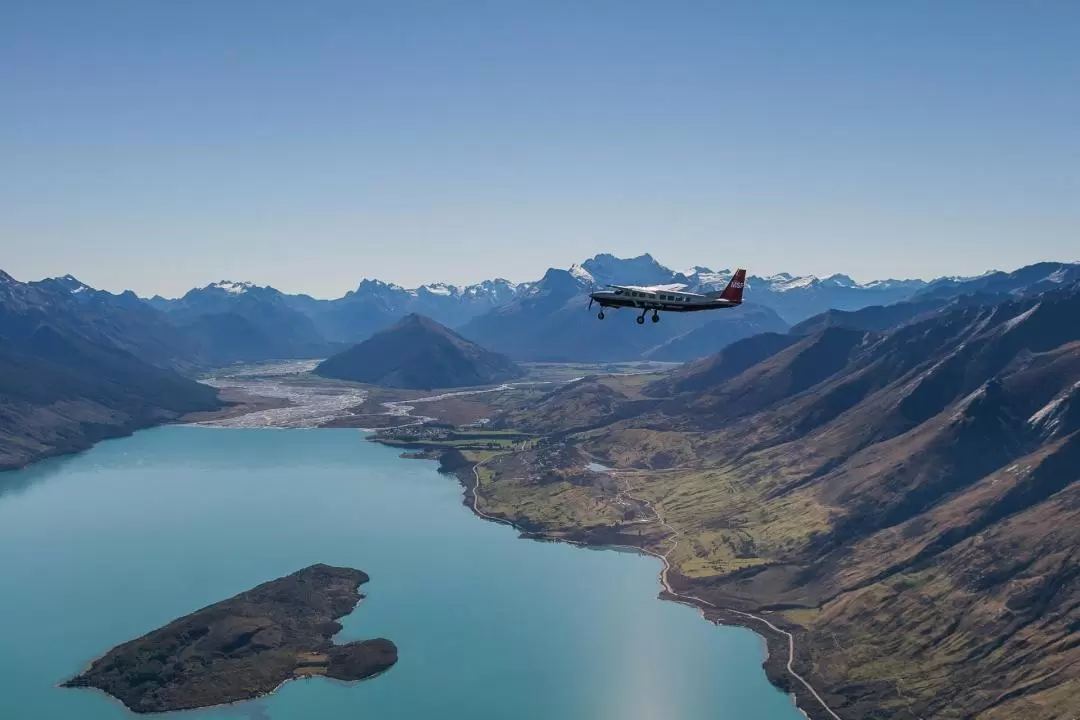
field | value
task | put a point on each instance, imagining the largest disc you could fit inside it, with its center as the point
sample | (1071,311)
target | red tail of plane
(733,292)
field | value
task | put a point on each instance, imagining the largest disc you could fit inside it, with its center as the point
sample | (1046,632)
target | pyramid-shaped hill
(418,353)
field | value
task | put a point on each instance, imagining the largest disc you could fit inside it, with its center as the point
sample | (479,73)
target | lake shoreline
(774,643)
(774,664)
(362,497)
(233,404)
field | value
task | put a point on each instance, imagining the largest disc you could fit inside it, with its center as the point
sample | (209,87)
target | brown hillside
(904,499)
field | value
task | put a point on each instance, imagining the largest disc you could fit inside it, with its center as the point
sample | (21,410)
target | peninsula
(243,647)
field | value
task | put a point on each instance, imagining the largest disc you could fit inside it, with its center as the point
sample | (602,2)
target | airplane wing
(676,287)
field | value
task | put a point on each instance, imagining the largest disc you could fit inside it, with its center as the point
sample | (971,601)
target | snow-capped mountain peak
(783,282)
(441,289)
(840,280)
(642,270)
(705,279)
(376,284)
(497,290)
(232,287)
(72,284)
(582,274)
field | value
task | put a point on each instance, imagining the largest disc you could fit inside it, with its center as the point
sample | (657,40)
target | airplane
(657,299)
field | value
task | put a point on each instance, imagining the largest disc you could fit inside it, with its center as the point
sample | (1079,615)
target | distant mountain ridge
(375,304)
(238,321)
(243,322)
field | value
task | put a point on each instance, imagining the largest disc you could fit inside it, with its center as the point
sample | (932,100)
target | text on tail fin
(734,290)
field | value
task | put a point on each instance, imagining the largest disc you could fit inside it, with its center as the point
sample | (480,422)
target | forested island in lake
(243,647)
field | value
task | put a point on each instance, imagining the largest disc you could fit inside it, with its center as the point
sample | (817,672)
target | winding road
(691,600)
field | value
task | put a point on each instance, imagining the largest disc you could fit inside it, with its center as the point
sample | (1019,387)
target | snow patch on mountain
(1048,415)
(605,268)
(441,289)
(72,284)
(582,274)
(705,279)
(1021,317)
(232,287)
(839,280)
(785,283)
(888,284)
(373,285)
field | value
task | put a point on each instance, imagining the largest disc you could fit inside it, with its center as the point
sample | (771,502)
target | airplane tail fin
(734,290)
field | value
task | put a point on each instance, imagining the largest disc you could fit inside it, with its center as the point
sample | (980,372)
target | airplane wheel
(640,319)
(655,318)
(600,315)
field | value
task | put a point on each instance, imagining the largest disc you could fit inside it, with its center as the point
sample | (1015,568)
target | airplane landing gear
(600,315)
(641,319)
(655,316)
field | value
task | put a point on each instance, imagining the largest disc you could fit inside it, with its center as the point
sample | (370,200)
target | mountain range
(77,366)
(82,363)
(541,320)
(899,487)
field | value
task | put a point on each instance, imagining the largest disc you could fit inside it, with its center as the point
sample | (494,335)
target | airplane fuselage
(656,299)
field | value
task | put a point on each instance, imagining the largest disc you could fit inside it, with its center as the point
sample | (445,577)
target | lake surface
(101,547)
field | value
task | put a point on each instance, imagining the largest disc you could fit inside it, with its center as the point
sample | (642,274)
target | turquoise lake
(101,547)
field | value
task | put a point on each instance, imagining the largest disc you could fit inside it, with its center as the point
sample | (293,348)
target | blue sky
(158,145)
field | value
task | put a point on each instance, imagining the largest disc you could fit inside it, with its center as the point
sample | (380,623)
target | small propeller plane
(657,299)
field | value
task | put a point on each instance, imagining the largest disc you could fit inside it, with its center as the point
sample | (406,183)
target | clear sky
(158,144)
